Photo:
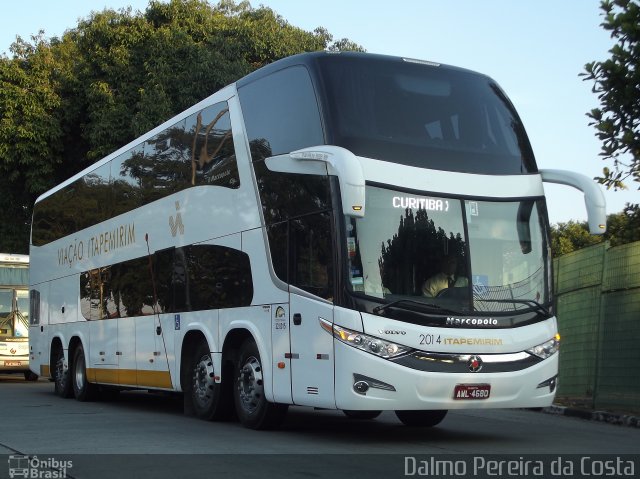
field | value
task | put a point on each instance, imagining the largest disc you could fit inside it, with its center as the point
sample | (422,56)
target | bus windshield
(459,255)
(424,115)
(14,313)
(14,299)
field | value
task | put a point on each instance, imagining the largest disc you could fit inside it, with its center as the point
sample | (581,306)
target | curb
(602,416)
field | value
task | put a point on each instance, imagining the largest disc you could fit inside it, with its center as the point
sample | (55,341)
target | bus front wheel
(421,418)
(252,407)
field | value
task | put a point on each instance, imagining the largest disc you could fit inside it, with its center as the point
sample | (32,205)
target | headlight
(546,349)
(364,342)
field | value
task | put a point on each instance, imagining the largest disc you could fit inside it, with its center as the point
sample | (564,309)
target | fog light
(361,387)
(551,383)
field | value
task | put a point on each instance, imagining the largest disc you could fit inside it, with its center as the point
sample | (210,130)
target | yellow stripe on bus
(130,377)
(44,370)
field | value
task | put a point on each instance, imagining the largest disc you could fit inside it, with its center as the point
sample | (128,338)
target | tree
(622,228)
(30,136)
(617,84)
(571,236)
(67,102)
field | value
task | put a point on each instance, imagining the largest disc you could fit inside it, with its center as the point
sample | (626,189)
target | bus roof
(310,59)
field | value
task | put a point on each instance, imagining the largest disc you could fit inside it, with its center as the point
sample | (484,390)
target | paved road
(97,434)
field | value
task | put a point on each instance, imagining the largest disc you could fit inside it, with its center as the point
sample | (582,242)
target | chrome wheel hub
(203,381)
(250,385)
(79,373)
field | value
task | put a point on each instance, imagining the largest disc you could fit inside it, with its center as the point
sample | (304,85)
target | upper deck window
(423,115)
(281,113)
(195,151)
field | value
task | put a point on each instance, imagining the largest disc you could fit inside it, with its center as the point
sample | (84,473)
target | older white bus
(14,315)
(346,231)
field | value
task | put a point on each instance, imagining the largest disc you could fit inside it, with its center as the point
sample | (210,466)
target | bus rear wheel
(421,418)
(252,407)
(209,400)
(30,376)
(83,390)
(61,376)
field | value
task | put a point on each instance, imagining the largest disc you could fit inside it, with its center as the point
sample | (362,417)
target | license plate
(13,363)
(471,391)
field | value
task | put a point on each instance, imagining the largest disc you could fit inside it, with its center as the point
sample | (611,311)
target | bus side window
(209,143)
(85,294)
(125,183)
(278,235)
(34,307)
(211,277)
(180,282)
(281,113)
(311,254)
(163,170)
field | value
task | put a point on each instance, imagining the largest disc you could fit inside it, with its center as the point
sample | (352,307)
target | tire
(208,400)
(30,376)
(61,377)
(83,390)
(361,414)
(252,407)
(421,418)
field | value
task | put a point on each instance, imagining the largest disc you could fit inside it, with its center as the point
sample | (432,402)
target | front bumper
(14,363)
(414,389)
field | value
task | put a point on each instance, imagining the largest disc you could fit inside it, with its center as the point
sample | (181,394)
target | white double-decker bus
(345,231)
(14,315)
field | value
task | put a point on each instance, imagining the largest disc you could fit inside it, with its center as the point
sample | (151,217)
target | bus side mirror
(332,160)
(593,197)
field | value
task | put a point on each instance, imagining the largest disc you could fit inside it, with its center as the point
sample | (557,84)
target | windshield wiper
(432,306)
(529,302)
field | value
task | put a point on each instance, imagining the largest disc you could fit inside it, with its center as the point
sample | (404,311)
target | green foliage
(622,228)
(571,236)
(617,84)
(68,102)
(30,135)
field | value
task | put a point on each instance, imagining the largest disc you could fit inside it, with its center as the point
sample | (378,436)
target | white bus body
(272,246)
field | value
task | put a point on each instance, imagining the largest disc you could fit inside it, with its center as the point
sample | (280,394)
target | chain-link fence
(598,309)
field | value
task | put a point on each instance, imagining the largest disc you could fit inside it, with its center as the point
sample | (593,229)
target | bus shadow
(335,427)
(330,426)
(7,378)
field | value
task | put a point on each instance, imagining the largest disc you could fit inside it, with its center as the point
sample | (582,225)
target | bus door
(38,329)
(311,276)
(312,361)
(151,357)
